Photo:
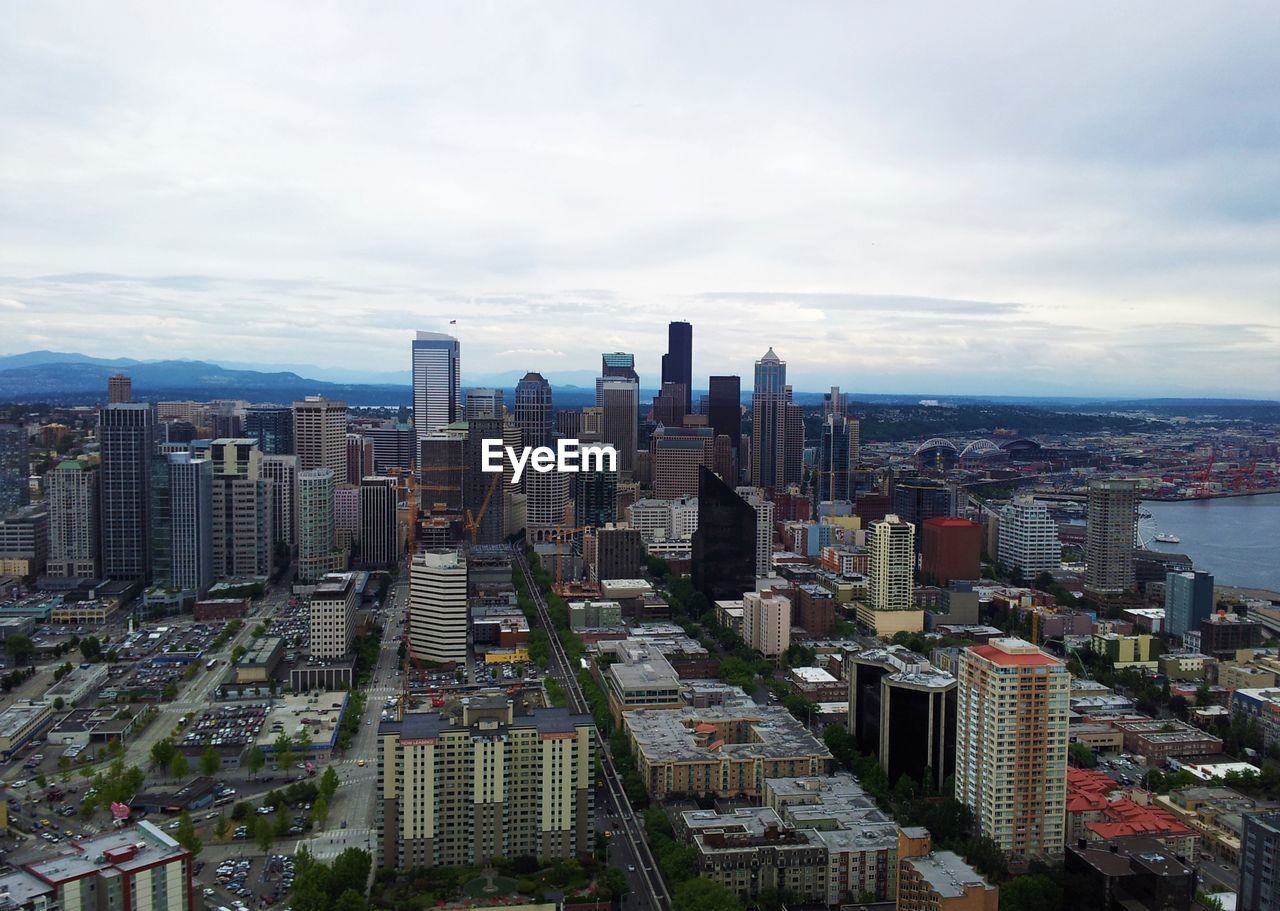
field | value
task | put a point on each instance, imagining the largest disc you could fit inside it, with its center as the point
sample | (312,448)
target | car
(360,762)
(44,822)
(173,824)
(344,823)
(207,892)
(20,783)
(631,868)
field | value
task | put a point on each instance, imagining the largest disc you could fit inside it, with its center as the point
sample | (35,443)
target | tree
(91,648)
(329,783)
(58,704)
(986,857)
(186,834)
(704,895)
(263,834)
(284,751)
(350,870)
(178,766)
(320,811)
(282,820)
(20,648)
(1044,580)
(1033,892)
(221,827)
(115,748)
(350,900)
(1081,756)
(241,811)
(256,759)
(209,761)
(170,692)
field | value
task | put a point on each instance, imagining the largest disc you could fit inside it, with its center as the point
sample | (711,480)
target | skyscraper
(1028,539)
(437,391)
(834,403)
(190,521)
(595,498)
(675,456)
(15,468)
(379,531)
(71,493)
(617,364)
(777,427)
(437,628)
(442,466)
(891,564)
(834,468)
(484,404)
(1111,520)
(119,389)
(724,407)
(547,494)
(1011,745)
(243,540)
(533,410)
(764,510)
(1188,600)
(320,435)
(677,363)
(620,399)
(282,472)
(272,427)
(318,551)
(483,492)
(1260,862)
(724,546)
(670,405)
(125,436)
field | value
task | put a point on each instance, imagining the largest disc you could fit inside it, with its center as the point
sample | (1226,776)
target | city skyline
(889,221)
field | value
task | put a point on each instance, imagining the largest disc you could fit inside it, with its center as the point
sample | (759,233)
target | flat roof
(947,874)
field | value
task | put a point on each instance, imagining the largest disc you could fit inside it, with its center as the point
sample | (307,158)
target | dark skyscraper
(724,407)
(724,546)
(777,427)
(272,427)
(125,438)
(15,468)
(833,468)
(533,409)
(595,497)
(677,363)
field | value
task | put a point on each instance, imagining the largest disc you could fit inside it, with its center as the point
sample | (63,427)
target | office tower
(282,472)
(15,468)
(1028,538)
(243,540)
(526,790)
(766,622)
(917,499)
(547,498)
(71,496)
(620,401)
(442,466)
(777,427)
(227,421)
(724,407)
(952,550)
(677,363)
(161,529)
(533,410)
(190,563)
(119,389)
(379,522)
(438,607)
(569,424)
(318,551)
(333,616)
(591,424)
(125,435)
(1011,745)
(764,509)
(271,426)
(618,364)
(1188,601)
(723,459)
(619,553)
(346,515)
(834,403)
(676,454)
(834,469)
(724,546)
(595,498)
(669,406)
(24,542)
(918,725)
(1260,862)
(437,392)
(359,458)
(891,564)
(485,494)
(320,435)
(484,404)
(1111,520)
(394,446)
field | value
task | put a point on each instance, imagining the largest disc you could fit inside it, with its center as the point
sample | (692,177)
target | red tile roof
(1089,791)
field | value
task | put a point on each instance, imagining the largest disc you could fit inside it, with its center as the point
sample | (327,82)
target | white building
(333,616)
(72,499)
(438,606)
(764,528)
(891,543)
(766,622)
(1028,538)
(436,388)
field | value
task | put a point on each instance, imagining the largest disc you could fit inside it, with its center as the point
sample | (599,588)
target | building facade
(437,390)
(1028,538)
(438,611)
(320,435)
(125,435)
(1188,601)
(1111,521)
(71,494)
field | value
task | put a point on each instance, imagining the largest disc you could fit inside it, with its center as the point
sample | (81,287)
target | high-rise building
(834,403)
(442,466)
(724,546)
(360,458)
(346,515)
(243,540)
(723,458)
(437,390)
(834,468)
(15,468)
(282,472)
(485,493)
(724,407)
(777,427)
(1188,601)
(1028,539)
(477,781)
(1011,745)
(119,389)
(619,551)
(318,551)
(891,564)
(918,725)
(71,494)
(1260,862)
(320,435)
(569,424)
(547,494)
(125,435)
(617,364)
(271,426)
(952,550)
(591,424)
(675,456)
(190,495)
(677,363)
(595,498)
(1111,520)
(620,400)
(333,616)
(379,518)
(917,499)
(484,404)
(24,541)
(394,446)
(437,629)
(766,622)
(669,407)
(533,410)
(764,528)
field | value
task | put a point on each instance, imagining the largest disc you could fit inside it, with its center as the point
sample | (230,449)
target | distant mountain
(31,358)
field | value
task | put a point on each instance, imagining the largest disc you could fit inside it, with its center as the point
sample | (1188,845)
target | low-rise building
(1262,707)
(941,881)
(1098,809)
(259,663)
(816,684)
(640,677)
(750,849)
(21,722)
(1134,874)
(1161,739)
(1124,651)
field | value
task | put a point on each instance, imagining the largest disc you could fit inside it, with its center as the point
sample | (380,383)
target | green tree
(178,766)
(320,811)
(91,648)
(1033,892)
(350,870)
(58,703)
(281,820)
(263,834)
(1082,756)
(20,648)
(703,895)
(350,900)
(256,759)
(329,783)
(170,692)
(241,811)
(209,761)
(284,751)
(986,857)
(186,834)
(221,827)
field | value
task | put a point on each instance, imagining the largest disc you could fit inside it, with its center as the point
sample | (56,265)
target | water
(1235,538)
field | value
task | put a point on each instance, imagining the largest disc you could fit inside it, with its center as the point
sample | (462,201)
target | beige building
(71,494)
(437,628)
(939,880)
(766,622)
(320,435)
(1011,745)
(243,537)
(475,781)
(333,616)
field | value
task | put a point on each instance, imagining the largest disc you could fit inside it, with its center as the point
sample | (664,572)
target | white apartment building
(891,543)
(1028,538)
(438,606)
(766,622)
(333,616)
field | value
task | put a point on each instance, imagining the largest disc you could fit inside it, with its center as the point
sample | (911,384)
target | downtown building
(318,551)
(333,616)
(379,522)
(1011,745)
(724,546)
(777,427)
(187,521)
(437,391)
(1111,521)
(15,467)
(272,427)
(1028,538)
(71,495)
(533,410)
(438,609)
(677,363)
(126,434)
(476,781)
(320,435)
(243,539)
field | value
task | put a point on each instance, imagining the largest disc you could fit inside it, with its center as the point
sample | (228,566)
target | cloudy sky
(969,198)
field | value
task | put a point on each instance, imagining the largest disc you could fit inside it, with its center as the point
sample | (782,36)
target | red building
(951,548)
(815,610)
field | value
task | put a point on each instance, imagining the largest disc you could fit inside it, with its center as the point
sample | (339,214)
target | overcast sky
(969,198)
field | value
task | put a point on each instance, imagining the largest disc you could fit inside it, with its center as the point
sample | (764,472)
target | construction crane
(473,522)
(560,536)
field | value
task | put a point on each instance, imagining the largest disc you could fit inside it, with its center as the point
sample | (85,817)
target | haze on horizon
(987,199)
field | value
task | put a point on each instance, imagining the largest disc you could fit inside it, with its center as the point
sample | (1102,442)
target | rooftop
(947,874)
(123,850)
(764,732)
(1017,652)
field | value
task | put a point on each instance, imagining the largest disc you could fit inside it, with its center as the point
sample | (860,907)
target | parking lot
(227,726)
